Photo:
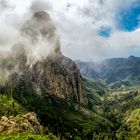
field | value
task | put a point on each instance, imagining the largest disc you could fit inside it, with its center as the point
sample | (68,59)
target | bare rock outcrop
(24,123)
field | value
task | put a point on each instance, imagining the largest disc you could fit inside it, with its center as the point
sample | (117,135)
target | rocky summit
(47,72)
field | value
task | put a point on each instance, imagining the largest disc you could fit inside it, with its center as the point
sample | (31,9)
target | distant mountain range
(116,72)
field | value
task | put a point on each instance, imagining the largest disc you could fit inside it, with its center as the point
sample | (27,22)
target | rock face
(59,76)
(27,122)
(36,58)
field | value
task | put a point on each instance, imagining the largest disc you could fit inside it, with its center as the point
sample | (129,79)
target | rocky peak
(52,74)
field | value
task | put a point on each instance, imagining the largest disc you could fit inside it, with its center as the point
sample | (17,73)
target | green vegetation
(62,118)
(10,107)
(94,91)
(123,110)
(120,107)
(27,136)
(108,115)
(130,129)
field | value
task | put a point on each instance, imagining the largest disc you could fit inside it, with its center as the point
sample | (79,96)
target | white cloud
(12,14)
(78,22)
(122,40)
(78,28)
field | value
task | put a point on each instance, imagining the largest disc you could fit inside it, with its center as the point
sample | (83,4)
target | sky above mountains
(88,29)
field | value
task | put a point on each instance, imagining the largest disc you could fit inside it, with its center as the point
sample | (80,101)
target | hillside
(121,108)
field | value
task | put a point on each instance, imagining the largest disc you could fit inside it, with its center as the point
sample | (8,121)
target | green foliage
(96,88)
(121,103)
(131,126)
(9,106)
(93,91)
(123,110)
(27,136)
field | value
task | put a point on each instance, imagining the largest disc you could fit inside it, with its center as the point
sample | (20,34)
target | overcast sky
(88,29)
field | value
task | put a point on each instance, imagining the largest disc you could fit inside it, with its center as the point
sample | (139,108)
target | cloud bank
(78,23)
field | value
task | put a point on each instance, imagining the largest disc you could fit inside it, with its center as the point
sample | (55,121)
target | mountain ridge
(114,70)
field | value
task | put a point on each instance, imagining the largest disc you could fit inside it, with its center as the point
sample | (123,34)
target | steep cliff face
(59,76)
(36,58)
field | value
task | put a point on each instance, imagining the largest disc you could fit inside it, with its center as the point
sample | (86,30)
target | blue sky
(104,31)
(88,29)
(129,18)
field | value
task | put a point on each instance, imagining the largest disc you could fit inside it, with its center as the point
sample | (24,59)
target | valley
(48,96)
